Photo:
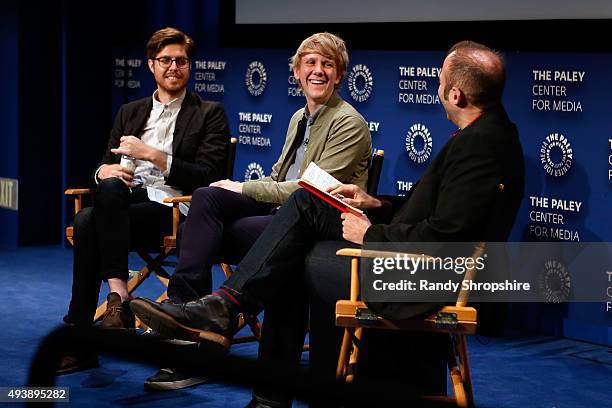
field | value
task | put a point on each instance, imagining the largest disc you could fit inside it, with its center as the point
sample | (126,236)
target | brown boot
(118,314)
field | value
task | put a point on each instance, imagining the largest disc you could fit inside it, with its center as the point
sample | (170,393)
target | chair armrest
(77,191)
(367,253)
(355,253)
(178,199)
(170,241)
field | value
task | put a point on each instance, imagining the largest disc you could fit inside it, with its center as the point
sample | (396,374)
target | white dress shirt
(158,132)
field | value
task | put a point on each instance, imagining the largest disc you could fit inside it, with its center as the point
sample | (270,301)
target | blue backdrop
(555,100)
(73,72)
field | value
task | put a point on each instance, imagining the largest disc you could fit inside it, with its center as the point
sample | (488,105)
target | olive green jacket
(339,143)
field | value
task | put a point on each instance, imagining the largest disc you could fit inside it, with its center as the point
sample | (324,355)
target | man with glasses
(172,141)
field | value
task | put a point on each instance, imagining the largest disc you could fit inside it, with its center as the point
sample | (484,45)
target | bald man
(450,204)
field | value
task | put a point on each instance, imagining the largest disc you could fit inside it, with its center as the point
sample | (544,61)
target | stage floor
(515,371)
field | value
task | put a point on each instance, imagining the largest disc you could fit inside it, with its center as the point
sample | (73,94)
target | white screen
(386,11)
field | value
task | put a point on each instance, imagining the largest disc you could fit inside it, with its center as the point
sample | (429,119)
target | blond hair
(329,45)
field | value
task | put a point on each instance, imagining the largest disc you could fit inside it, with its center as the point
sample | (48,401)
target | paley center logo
(556,154)
(554,282)
(419,143)
(360,82)
(254,171)
(256,78)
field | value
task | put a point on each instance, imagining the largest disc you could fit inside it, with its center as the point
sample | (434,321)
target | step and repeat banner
(560,103)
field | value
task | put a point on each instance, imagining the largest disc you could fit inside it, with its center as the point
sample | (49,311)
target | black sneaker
(168,379)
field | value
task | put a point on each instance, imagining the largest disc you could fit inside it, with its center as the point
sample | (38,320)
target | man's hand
(354,227)
(230,185)
(355,196)
(115,170)
(136,148)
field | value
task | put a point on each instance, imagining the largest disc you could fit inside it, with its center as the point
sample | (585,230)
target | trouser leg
(327,277)
(272,272)
(102,241)
(212,209)
(149,222)
(281,249)
(96,229)
(112,227)
(240,236)
(126,220)
(286,318)
(282,339)
(85,271)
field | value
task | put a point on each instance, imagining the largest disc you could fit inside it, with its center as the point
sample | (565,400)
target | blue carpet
(516,371)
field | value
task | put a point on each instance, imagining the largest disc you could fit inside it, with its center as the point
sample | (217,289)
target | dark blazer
(457,199)
(199,146)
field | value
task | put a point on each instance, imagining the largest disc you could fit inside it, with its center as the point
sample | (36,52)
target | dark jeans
(276,259)
(272,273)
(221,225)
(295,275)
(119,221)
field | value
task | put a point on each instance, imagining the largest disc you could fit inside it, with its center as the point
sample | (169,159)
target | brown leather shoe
(118,314)
(73,362)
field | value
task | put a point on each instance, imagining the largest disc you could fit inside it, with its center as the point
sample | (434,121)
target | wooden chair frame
(152,264)
(167,247)
(458,321)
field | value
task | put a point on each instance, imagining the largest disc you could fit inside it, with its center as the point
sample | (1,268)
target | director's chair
(153,264)
(457,321)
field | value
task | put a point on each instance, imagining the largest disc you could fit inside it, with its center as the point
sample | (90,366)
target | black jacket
(199,145)
(457,199)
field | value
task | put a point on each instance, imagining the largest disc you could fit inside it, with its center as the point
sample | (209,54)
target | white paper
(159,193)
(319,177)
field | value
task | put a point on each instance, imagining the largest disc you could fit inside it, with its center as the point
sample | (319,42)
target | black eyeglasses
(166,62)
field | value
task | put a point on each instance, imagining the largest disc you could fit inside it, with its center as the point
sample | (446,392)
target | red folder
(328,198)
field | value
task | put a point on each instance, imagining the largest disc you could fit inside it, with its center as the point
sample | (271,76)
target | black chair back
(374,172)
(231,158)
